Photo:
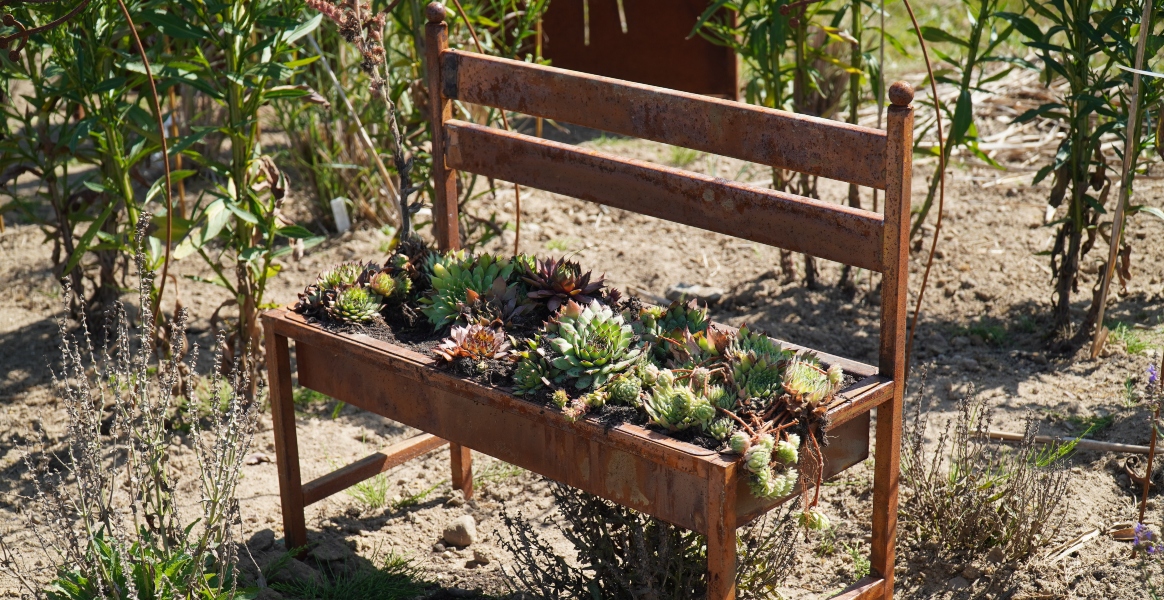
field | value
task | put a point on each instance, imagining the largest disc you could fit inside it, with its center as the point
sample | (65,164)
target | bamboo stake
(1131,141)
(1007,436)
(393,192)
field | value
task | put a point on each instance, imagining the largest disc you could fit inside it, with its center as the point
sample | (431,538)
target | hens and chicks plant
(582,346)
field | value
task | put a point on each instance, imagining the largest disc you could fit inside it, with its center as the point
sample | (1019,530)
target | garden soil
(984,329)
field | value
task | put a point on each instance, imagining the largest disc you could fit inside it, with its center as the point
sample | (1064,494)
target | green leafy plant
(1083,53)
(396,578)
(80,111)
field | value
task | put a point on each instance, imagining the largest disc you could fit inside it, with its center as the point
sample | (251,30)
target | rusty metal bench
(680,483)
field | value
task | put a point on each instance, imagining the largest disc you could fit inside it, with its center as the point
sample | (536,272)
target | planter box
(628,464)
(655,50)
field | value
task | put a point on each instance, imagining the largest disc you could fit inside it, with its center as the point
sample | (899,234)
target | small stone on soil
(461,531)
(958,583)
(456,499)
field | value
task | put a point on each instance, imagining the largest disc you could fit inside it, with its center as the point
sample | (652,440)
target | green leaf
(186,141)
(159,184)
(297,232)
(176,27)
(303,62)
(293,35)
(934,34)
(963,117)
(87,237)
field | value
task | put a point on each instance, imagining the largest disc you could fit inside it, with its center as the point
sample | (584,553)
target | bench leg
(721,536)
(461,461)
(286,443)
(886,472)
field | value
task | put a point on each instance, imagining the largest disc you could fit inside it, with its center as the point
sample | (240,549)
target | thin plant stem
(165,158)
(941,187)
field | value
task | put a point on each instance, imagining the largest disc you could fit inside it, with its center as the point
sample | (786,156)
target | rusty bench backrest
(859,155)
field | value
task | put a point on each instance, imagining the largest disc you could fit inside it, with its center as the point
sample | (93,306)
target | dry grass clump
(103,509)
(970,495)
(623,554)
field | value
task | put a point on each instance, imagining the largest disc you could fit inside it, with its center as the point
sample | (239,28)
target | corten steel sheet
(807,144)
(626,464)
(830,231)
(656,37)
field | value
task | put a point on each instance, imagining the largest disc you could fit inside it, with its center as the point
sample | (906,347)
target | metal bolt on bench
(695,488)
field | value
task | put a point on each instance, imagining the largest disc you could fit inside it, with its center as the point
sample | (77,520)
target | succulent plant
(814,519)
(452,276)
(394,287)
(721,428)
(675,406)
(557,282)
(668,327)
(534,370)
(625,389)
(807,383)
(501,304)
(560,398)
(757,364)
(475,342)
(343,274)
(591,344)
(354,304)
(765,482)
(739,442)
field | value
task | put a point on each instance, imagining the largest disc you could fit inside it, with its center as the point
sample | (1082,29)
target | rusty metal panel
(830,231)
(769,137)
(848,445)
(654,50)
(588,463)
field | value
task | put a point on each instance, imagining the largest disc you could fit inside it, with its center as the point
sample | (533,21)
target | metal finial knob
(435,12)
(901,93)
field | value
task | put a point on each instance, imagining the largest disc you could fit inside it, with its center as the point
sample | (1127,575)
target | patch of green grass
(304,398)
(495,471)
(371,493)
(1026,324)
(397,578)
(558,245)
(1092,424)
(827,546)
(861,564)
(990,332)
(1131,396)
(1133,342)
(683,157)
(416,498)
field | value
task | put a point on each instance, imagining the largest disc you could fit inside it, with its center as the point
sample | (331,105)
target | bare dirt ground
(984,326)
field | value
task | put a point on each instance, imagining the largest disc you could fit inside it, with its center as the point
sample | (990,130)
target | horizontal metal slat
(769,137)
(830,231)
